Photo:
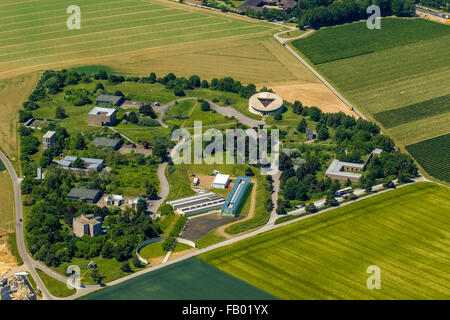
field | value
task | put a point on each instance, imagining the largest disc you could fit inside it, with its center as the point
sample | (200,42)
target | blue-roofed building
(235,199)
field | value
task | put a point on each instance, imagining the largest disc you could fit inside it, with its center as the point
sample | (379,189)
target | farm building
(259,5)
(221,181)
(108,100)
(88,195)
(263,103)
(107,143)
(197,204)
(48,139)
(235,199)
(89,164)
(83,225)
(102,117)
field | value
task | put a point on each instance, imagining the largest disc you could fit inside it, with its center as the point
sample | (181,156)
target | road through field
(317,74)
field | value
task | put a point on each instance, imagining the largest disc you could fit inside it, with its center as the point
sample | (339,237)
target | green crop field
(356,39)
(401,68)
(414,112)
(190,279)
(405,232)
(433,155)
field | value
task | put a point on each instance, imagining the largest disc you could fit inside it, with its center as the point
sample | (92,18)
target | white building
(221,181)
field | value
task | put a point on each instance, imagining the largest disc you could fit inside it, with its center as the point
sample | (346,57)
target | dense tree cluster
(49,224)
(354,139)
(320,13)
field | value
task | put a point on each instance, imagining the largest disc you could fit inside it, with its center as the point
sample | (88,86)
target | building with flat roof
(107,143)
(235,199)
(83,225)
(89,164)
(221,181)
(102,117)
(338,169)
(48,139)
(197,204)
(108,100)
(263,103)
(88,195)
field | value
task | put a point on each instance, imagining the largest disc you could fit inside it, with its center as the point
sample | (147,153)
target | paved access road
(27,260)
(317,74)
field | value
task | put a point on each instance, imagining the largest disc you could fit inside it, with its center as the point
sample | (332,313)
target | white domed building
(263,103)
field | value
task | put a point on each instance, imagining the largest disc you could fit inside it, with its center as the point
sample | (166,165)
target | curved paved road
(27,260)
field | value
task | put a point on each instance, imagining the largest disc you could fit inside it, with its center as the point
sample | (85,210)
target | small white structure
(344,191)
(114,200)
(221,181)
(196,181)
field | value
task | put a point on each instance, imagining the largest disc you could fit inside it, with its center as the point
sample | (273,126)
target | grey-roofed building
(88,195)
(197,204)
(107,143)
(108,100)
(83,225)
(336,171)
(99,116)
(89,164)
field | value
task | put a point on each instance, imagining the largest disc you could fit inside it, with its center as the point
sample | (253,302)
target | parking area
(201,225)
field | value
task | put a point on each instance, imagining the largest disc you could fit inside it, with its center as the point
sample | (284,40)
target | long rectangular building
(235,199)
(197,204)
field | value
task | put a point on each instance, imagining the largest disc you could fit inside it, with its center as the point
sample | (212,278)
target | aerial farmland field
(190,279)
(140,36)
(405,232)
(403,67)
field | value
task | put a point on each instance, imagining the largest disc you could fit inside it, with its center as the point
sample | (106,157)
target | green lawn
(190,279)
(405,232)
(152,250)
(55,287)
(109,269)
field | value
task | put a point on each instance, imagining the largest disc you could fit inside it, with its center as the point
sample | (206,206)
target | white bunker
(263,103)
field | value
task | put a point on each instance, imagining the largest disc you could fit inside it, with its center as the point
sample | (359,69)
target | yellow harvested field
(13,93)
(313,94)
(7,260)
(6,204)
